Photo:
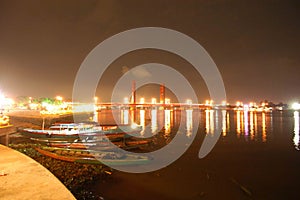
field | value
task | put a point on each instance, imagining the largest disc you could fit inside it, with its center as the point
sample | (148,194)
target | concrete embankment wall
(23,178)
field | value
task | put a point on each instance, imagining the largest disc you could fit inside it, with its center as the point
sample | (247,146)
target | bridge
(156,105)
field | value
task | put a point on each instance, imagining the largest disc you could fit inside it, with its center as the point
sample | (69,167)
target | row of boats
(89,143)
(75,130)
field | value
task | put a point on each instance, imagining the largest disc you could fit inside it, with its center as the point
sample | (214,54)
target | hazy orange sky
(255,44)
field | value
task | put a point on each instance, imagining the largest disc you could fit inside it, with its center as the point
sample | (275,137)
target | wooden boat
(94,144)
(90,157)
(72,131)
(65,131)
(104,145)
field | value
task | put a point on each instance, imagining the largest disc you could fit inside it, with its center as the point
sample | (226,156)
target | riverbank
(33,119)
(75,177)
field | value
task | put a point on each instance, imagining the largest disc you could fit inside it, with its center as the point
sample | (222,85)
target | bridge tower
(133,93)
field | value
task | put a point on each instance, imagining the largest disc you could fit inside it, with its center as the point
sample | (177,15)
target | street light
(153,100)
(189,102)
(296,106)
(59,98)
(167,100)
(95,100)
(126,100)
(142,100)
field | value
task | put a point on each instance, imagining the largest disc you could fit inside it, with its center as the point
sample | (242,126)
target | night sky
(255,44)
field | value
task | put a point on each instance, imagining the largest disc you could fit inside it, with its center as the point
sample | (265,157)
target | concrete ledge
(6,131)
(23,178)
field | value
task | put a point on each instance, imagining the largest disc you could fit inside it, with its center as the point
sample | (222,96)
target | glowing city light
(224,103)
(126,100)
(238,103)
(207,102)
(59,98)
(189,102)
(246,107)
(6,103)
(2,99)
(153,100)
(142,100)
(33,106)
(296,106)
(167,101)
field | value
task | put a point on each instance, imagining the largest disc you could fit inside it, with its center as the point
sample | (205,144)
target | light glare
(296,106)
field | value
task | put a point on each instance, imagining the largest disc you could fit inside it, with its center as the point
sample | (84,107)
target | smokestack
(162,94)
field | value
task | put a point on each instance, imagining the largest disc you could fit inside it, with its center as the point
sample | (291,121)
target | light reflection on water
(189,122)
(252,125)
(210,121)
(246,123)
(264,131)
(296,138)
(224,123)
(167,121)
(124,116)
(142,121)
(235,125)
(154,126)
(238,123)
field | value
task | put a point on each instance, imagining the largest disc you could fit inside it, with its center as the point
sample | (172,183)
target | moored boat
(72,131)
(64,131)
(92,157)
(93,144)
(103,145)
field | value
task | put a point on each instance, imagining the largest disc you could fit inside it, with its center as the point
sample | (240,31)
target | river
(256,156)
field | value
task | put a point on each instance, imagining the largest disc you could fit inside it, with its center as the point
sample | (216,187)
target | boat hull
(90,157)
(110,133)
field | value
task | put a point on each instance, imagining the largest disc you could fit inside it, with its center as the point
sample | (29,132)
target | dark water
(256,157)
